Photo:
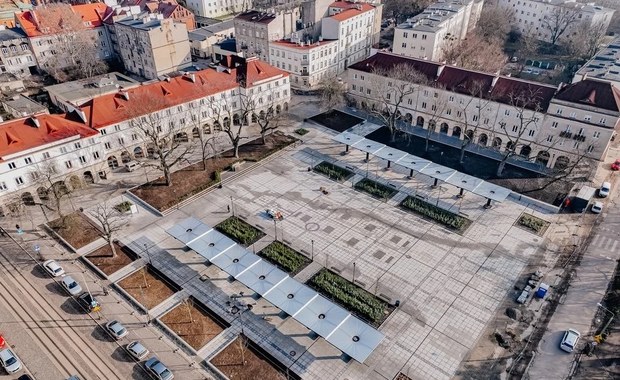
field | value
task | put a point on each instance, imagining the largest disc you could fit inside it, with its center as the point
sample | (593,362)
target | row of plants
(533,223)
(445,217)
(375,189)
(284,257)
(349,296)
(123,207)
(333,172)
(239,231)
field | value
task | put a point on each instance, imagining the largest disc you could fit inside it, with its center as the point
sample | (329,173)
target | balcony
(566,134)
(581,138)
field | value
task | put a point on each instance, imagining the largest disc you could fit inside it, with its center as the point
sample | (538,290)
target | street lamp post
(353,272)
(275,228)
(312,251)
(610,319)
(148,255)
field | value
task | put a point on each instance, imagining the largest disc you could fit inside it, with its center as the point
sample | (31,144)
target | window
(451,98)
(554,124)
(405,35)
(96,155)
(117,128)
(572,115)
(368,91)
(12,165)
(448,111)
(389,96)
(63,150)
(549,138)
(121,141)
(590,148)
(425,92)
(409,101)
(459,113)
(77,145)
(19,180)
(415,35)
(404,45)
(424,36)
(68,164)
(576,145)
(103,132)
(28,160)
(603,120)
(107,145)
(82,159)
(434,107)
(3,186)
(46,155)
(587,118)
(558,111)
(424,105)
(475,118)
(515,128)
(531,132)
(507,112)
(436,95)
(596,135)
(134,137)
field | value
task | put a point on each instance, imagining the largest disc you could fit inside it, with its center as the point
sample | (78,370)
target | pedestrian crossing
(607,243)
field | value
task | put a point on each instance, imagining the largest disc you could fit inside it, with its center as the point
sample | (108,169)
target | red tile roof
(592,93)
(22,134)
(353,11)
(387,61)
(521,93)
(464,81)
(88,12)
(251,71)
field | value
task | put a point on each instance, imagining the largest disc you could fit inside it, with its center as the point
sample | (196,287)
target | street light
(148,255)
(610,319)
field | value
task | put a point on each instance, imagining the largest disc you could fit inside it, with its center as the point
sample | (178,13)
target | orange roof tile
(352,12)
(249,71)
(22,134)
(88,12)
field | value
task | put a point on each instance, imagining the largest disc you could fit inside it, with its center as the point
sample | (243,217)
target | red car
(616,165)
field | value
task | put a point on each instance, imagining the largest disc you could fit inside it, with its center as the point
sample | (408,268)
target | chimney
(440,69)
(124,94)
(191,77)
(495,79)
(81,114)
(35,121)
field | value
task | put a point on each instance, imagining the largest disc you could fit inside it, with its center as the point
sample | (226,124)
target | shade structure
(290,296)
(414,163)
(368,146)
(321,316)
(188,230)
(211,244)
(390,154)
(348,138)
(493,192)
(465,181)
(355,338)
(262,277)
(437,171)
(235,260)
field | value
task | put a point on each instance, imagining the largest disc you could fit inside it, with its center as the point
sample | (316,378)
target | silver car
(116,329)
(10,361)
(137,350)
(71,285)
(158,369)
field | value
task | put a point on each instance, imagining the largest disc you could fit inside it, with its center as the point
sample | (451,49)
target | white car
(569,340)
(137,350)
(158,369)
(604,190)
(116,329)
(597,207)
(71,285)
(9,361)
(53,268)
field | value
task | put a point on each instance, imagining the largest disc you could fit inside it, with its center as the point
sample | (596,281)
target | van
(132,165)
(569,340)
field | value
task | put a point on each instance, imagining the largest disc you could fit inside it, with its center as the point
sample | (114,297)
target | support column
(461,193)
(488,204)
(389,164)
(411,173)
(346,149)
(367,156)
(435,183)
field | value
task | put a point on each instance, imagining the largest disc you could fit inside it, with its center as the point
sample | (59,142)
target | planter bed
(375,189)
(284,257)
(75,229)
(103,259)
(532,224)
(147,288)
(350,296)
(333,172)
(240,231)
(447,218)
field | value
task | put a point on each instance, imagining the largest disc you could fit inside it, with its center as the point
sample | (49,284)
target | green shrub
(240,231)
(301,131)
(349,295)
(284,257)
(438,214)
(123,206)
(333,172)
(375,189)
(532,222)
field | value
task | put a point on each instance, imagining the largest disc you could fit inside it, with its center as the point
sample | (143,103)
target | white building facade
(218,8)
(15,54)
(307,64)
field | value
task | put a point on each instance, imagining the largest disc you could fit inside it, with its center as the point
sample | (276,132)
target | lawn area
(240,231)
(194,179)
(102,258)
(256,366)
(332,171)
(75,229)
(447,218)
(533,224)
(146,287)
(193,324)
(350,296)
(375,189)
(284,257)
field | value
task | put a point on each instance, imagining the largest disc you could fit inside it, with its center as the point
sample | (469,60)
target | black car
(25,377)
(89,302)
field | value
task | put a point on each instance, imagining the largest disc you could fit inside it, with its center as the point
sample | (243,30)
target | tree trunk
(428,136)
(111,243)
(263,135)
(236,147)
(501,166)
(167,176)
(462,159)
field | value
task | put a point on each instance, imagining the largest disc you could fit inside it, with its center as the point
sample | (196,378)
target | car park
(71,285)
(604,190)
(569,340)
(10,362)
(53,268)
(158,369)
(116,329)
(597,207)
(89,302)
(137,350)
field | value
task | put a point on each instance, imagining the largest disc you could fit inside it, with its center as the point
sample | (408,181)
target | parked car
(25,377)
(569,340)
(604,190)
(597,207)
(10,362)
(89,302)
(132,165)
(53,268)
(137,350)
(71,285)
(158,369)
(616,165)
(116,329)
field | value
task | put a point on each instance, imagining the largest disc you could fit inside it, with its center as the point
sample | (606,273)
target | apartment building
(87,143)
(15,54)
(549,125)
(530,16)
(203,39)
(254,30)
(153,46)
(218,8)
(54,44)
(605,65)
(8,8)
(440,26)
(173,10)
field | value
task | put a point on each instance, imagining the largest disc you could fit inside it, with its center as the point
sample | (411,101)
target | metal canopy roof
(390,154)
(356,339)
(426,167)
(188,230)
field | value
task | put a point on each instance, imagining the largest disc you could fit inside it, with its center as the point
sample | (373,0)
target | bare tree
(231,123)
(163,130)
(332,92)
(476,53)
(48,176)
(495,22)
(203,133)
(438,104)
(528,45)
(264,109)
(473,114)
(585,43)
(111,221)
(400,10)
(559,20)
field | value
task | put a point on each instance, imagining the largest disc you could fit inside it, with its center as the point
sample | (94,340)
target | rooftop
(251,71)
(201,34)
(25,105)
(593,93)
(91,87)
(91,14)
(433,16)
(143,24)
(256,16)
(294,45)
(9,34)
(604,65)
(349,9)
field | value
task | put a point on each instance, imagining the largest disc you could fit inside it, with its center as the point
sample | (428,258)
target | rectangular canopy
(413,162)
(188,229)
(348,138)
(290,296)
(322,316)
(390,154)
(235,260)
(355,338)
(211,244)
(262,277)
(493,192)
(368,146)
(464,181)
(434,170)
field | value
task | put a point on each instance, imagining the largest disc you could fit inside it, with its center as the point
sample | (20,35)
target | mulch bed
(194,179)
(401,376)
(337,120)
(149,294)
(75,229)
(229,361)
(198,331)
(102,258)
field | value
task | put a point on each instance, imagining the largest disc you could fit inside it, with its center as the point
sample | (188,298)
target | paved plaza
(448,285)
